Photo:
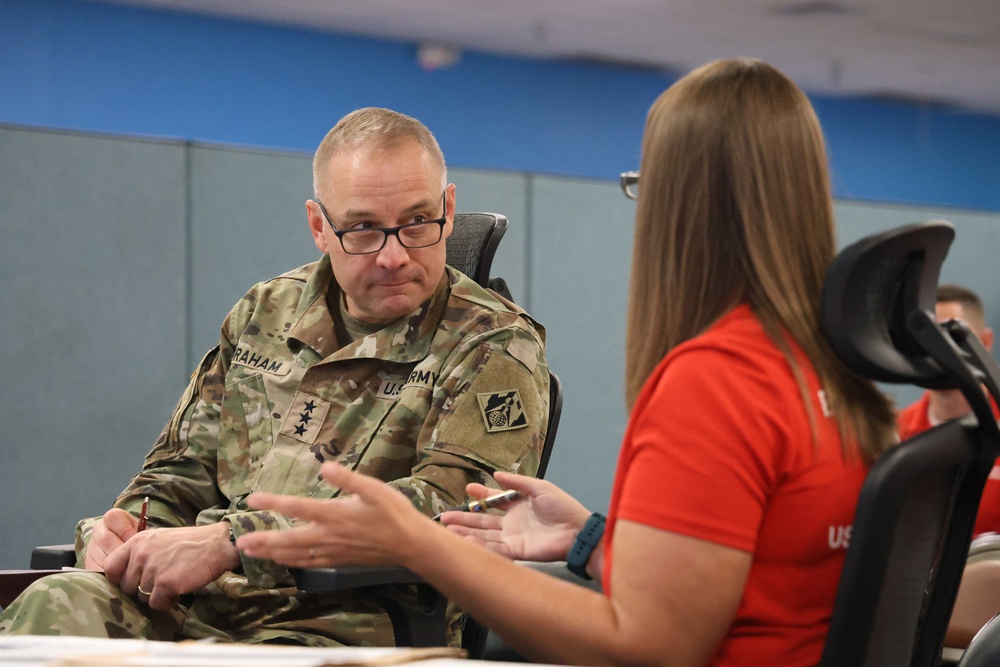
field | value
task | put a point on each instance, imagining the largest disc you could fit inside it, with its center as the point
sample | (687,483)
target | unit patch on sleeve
(305,418)
(502,411)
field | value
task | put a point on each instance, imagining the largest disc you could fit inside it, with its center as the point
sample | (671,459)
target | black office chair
(472,245)
(918,505)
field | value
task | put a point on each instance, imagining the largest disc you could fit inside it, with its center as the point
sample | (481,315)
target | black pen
(484,504)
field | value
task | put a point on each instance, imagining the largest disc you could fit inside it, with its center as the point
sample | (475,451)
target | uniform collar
(406,340)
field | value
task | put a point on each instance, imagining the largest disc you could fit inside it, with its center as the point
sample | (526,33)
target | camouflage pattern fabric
(435,400)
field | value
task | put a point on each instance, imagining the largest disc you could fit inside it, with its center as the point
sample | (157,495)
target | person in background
(377,356)
(747,444)
(955,302)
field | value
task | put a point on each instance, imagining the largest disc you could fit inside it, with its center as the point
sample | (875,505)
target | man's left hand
(161,564)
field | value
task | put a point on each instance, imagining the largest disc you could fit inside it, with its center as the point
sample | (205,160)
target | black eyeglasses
(412,235)
(630,184)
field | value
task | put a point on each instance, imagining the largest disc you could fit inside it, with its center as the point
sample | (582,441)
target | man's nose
(392,254)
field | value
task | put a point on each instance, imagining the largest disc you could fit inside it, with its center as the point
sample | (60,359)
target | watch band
(232,540)
(586,540)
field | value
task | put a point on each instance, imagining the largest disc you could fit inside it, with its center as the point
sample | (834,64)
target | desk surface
(39,651)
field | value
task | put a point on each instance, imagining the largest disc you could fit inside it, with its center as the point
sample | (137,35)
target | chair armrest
(333,579)
(13,582)
(53,557)
(422,623)
(44,561)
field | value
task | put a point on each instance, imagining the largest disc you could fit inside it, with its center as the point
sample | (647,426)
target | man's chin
(389,303)
(390,309)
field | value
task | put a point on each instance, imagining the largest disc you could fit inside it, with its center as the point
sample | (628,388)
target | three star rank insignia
(305,417)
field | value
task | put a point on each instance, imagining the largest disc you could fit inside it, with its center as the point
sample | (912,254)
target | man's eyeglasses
(413,235)
(630,184)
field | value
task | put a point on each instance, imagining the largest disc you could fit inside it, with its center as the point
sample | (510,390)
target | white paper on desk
(81,651)
(201,654)
(38,650)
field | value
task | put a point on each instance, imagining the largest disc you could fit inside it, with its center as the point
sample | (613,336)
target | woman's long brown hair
(735,207)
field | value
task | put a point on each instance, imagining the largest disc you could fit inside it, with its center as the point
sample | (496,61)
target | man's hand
(540,526)
(165,563)
(114,529)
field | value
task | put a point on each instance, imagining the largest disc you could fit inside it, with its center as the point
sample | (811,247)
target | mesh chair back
(473,243)
(898,567)
(919,501)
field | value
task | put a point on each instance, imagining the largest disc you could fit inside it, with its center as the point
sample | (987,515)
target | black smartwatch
(586,540)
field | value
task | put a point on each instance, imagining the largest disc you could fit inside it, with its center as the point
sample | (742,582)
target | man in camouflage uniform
(377,356)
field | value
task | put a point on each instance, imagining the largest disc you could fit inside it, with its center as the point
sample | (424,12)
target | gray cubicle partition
(120,257)
(93,246)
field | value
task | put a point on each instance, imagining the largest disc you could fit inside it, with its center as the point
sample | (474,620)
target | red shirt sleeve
(707,446)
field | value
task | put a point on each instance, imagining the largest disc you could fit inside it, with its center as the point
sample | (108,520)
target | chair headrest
(473,244)
(876,291)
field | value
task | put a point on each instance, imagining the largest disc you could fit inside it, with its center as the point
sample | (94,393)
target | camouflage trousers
(87,604)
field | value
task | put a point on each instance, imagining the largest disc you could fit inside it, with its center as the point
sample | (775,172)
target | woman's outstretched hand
(540,525)
(368,527)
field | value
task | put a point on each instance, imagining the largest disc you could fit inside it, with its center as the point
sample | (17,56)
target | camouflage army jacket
(439,398)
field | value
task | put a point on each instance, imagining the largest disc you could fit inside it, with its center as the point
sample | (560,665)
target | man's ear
(449,209)
(316,226)
(987,338)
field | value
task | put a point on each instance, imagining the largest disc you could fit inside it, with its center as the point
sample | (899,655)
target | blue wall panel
(121,69)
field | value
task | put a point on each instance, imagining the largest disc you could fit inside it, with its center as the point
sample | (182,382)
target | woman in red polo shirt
(747,444)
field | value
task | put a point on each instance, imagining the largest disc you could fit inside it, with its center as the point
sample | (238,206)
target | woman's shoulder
(734,357)
(737,335)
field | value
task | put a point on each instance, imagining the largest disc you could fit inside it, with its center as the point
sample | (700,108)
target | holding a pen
(484,504)
(142,515)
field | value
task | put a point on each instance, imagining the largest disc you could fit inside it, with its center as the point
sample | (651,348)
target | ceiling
(941,52)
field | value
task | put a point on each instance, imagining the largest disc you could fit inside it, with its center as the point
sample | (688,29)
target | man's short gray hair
(377,128)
